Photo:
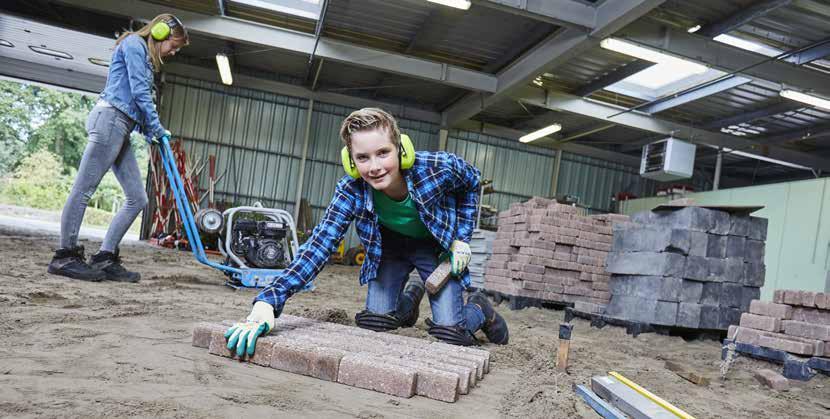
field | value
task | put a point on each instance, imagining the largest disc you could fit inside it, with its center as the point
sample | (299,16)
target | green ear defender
(406,155)
(161,30)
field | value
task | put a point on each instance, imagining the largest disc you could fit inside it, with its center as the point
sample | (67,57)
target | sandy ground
(76,349)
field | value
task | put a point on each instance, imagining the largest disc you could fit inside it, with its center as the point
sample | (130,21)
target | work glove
(460,256)
(243,335)
(157,141)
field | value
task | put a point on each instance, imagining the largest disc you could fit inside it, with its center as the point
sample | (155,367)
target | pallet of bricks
(546,252)
(685,267)
(793,329)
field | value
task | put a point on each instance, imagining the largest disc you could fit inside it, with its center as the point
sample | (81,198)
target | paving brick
(721,222)
(698,243)
(652,239)
(757,228)
(754,321)
(711,293)
(688,315)
(371,373)
(731,294)
(808,299)
(792,297)
(764,308)
(586,307)
(755,250)
(735,271)
(747,335)
(690,291)
(665,264)
(748,295)
(665,313)
(807,330)
(709,316)
(730,333)
(431,382)
(778,296)
(203,333)
(716,246)
(735,247)
(740,225)
(307,359)
(697,268)
(772,379)
(754,274)
(728,316)
(801,348)
(822,300)
(632,308)
(689,218)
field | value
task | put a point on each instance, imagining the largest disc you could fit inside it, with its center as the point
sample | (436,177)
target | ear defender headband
(161,30)
(406,155)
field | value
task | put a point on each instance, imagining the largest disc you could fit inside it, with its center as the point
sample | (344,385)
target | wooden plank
(600,406)
(687,374)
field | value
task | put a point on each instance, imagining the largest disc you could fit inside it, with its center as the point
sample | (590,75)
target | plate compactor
(257,242)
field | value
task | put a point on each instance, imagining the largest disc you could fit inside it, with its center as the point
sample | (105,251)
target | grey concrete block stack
(689,267)
(482,246)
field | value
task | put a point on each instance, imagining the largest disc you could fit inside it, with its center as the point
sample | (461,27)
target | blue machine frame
(253,278)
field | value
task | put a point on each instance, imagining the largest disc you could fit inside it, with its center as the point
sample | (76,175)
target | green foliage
(39,122)
(38,182)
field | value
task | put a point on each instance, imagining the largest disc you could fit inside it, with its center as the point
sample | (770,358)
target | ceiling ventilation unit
(667,160)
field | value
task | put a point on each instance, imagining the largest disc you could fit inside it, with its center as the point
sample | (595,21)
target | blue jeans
(108,148)
(399,255)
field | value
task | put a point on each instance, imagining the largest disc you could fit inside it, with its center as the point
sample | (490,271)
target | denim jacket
(445,189)
(129,85)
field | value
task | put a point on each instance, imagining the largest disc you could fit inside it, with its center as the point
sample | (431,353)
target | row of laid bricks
(807,299)
(780,341)
(387,363)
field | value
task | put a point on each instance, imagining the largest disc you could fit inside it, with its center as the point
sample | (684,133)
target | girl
(125,104)
(408,208)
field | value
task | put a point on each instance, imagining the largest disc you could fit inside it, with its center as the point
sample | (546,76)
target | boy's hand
(460,256)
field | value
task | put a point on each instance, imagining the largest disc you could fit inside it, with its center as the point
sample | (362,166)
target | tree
(16,107)
(63,127)
(38,182)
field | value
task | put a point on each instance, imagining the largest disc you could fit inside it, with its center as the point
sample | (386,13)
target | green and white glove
(243,335)
(460,256)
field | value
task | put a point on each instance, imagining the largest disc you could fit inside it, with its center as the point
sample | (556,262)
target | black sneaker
(409,302)
(70,263)
(495,328)
(110,264)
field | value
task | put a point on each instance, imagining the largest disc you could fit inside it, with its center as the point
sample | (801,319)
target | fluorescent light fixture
(53,52)
(643,53)
(458,4)
(748,45)
(693,29)
(805,98)
(544,132)
(5,43)
(224,65)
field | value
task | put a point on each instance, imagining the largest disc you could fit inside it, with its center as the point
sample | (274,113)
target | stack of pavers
(397,365)
(482,246)
(688,267)
(795,322)
(545,252)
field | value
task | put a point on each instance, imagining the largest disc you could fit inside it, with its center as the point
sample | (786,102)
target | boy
(408,209)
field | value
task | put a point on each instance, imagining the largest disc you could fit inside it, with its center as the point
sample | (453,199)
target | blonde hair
(368,119)
(177,33)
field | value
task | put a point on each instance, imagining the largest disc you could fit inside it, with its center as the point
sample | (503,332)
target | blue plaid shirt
(445,189)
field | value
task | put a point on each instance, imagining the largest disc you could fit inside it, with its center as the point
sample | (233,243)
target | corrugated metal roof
(474,38)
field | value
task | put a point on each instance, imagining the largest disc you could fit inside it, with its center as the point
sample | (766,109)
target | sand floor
(78,349)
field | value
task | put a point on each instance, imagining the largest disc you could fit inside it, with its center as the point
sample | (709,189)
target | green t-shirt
(400,216)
